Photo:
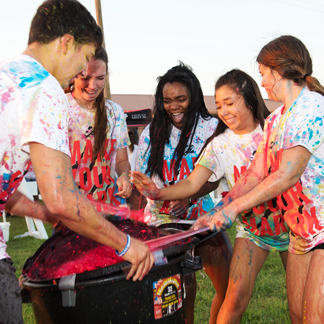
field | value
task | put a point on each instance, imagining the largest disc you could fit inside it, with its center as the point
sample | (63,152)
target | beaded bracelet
(126,247)
(125,175)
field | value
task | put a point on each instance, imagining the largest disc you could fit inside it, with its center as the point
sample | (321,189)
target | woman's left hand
(124,185)
(178,207)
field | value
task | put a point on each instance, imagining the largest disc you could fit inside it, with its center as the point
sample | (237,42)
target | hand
(217,220)
(223,219)
(145,185)
(201,222)
(124,186)
(141,258)
(178,207)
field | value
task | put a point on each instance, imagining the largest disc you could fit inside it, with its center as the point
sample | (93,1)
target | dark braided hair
(161,126)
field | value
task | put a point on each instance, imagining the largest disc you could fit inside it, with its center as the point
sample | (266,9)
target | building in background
(138,102)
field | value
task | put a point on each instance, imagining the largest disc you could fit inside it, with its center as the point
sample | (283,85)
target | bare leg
(246,263)
(284,257)
(216,254)
(313,301)
(296,274)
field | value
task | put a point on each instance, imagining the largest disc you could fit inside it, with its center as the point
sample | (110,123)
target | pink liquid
(68,252)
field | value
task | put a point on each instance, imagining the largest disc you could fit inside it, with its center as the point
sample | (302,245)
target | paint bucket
(5,229)
(104,295)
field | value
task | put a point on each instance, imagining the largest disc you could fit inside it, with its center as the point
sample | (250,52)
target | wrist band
(125,175)
(126,247)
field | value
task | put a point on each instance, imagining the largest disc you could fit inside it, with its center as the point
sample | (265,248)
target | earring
(72,87)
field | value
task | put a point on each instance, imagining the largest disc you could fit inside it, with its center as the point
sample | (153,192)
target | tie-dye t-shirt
(303,204)
(33,108)
(229,155)
(197,207)
(96,180)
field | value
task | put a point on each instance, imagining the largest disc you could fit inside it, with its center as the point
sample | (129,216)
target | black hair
(245,86)
(161,125)
(133,137)
(55,18)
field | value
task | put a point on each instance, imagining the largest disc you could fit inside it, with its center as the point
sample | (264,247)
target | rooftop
(136,102)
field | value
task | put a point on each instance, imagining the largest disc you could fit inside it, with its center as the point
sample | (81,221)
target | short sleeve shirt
(303,204)
(33,108)
(229,155)
(198,207)
(96,180)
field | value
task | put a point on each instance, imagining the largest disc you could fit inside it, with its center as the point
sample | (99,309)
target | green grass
(267,305)
(20,250)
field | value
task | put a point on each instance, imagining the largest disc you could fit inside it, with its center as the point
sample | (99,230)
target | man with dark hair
(34,129)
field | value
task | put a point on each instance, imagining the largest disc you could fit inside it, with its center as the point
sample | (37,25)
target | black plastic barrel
(105,296)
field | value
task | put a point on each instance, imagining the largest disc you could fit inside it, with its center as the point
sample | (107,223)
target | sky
(145,38)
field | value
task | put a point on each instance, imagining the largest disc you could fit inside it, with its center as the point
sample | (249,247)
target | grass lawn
(268,303)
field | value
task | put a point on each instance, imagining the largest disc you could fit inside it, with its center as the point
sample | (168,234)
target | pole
(100,24)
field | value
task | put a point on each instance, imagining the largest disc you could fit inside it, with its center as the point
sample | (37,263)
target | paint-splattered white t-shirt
(96,180)
(229,155)
(303,204)
(33,108)
(198,207)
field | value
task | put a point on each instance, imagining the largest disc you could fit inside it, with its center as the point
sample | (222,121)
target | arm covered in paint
(192,187)
(178,207)
(245,196)
(122,169)
(19,205)
(62,198)
(186,188)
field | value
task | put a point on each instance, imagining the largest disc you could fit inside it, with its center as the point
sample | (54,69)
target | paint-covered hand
(145,185)
(141,258)
(201,222)
(217,219)
(223,219)
(124,186)
(178,207)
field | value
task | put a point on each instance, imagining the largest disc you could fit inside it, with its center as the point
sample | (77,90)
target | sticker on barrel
(167,296)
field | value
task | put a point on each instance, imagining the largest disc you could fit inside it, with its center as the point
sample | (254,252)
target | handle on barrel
(191,264)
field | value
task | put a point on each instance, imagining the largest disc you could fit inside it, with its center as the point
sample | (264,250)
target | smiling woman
(168,148)
(233,112)
(98,136)
(176,102)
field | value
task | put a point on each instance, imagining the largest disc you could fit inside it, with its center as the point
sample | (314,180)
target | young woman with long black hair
(168,149)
